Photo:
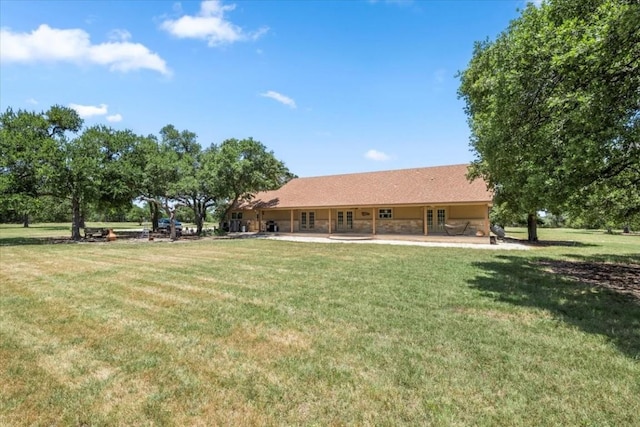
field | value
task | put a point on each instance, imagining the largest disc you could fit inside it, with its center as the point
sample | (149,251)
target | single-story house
(423,201)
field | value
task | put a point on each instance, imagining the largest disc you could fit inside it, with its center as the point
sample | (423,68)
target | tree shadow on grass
(599,294)
(24,241)
(548,243)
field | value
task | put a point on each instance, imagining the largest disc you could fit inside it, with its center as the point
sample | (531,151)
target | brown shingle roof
(432,185)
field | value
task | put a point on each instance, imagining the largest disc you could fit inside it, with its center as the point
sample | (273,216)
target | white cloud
(85,111)
(280,98)
(32,101)
(46,44)
(89,110)
(210,24)
(125,57)
(119,35)
(114,118)
(376,155)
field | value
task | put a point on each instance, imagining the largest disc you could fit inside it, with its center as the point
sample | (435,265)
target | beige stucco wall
(276,216)
(407,212)
(406,219)
(475,215)
(466,212)
(364,214)
(322,214)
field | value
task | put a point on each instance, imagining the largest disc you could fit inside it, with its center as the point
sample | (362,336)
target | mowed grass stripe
(262,332)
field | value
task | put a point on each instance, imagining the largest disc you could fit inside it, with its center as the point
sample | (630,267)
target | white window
(385,213)
(236,215)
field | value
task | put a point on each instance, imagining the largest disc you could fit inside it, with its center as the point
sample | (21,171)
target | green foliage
(245,167)
(98,173)
(51,209)
(185,214)
(504,215)
(590,220)
(193,188)
(28,152)
(16,209)
(554,109)
(178,172)
(96,169)
(554,221)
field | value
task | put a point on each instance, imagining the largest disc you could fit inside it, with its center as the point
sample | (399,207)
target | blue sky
(329,86)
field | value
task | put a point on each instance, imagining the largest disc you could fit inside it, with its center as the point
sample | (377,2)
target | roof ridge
(433,184)
(383,171)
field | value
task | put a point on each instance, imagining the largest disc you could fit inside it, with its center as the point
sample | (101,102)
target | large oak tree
(178,172)
(243,168)
(29,145)
(42,156)
(98,167)
(554,109)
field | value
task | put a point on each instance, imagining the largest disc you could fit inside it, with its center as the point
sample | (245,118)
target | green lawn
(257,332)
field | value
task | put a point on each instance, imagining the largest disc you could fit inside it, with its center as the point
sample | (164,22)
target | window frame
(385,213)
(307,220)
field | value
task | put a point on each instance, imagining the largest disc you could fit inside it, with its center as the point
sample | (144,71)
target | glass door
(440,217)
(344,221)
(307,220)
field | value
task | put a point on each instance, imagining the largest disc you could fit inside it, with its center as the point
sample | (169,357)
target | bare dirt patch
(623,279)
(526,318)
(266,344)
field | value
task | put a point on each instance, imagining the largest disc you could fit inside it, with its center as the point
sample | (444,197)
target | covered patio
(438,202)
(483,240)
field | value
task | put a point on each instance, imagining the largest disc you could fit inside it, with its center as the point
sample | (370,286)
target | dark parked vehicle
(164,224)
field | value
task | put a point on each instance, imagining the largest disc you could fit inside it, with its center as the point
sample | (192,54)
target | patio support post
(373,222)
(291,220)
(424,220)
(486,221)
(329,220)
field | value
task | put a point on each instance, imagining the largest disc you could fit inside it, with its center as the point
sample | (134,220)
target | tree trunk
(532,227)
(153,211)
(169,210)
(76,219)
(198,214)
(199,223)
(172,221)
(25,220)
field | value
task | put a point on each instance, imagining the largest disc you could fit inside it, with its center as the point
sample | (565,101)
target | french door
(344,222)
(307,220)
(435,223)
